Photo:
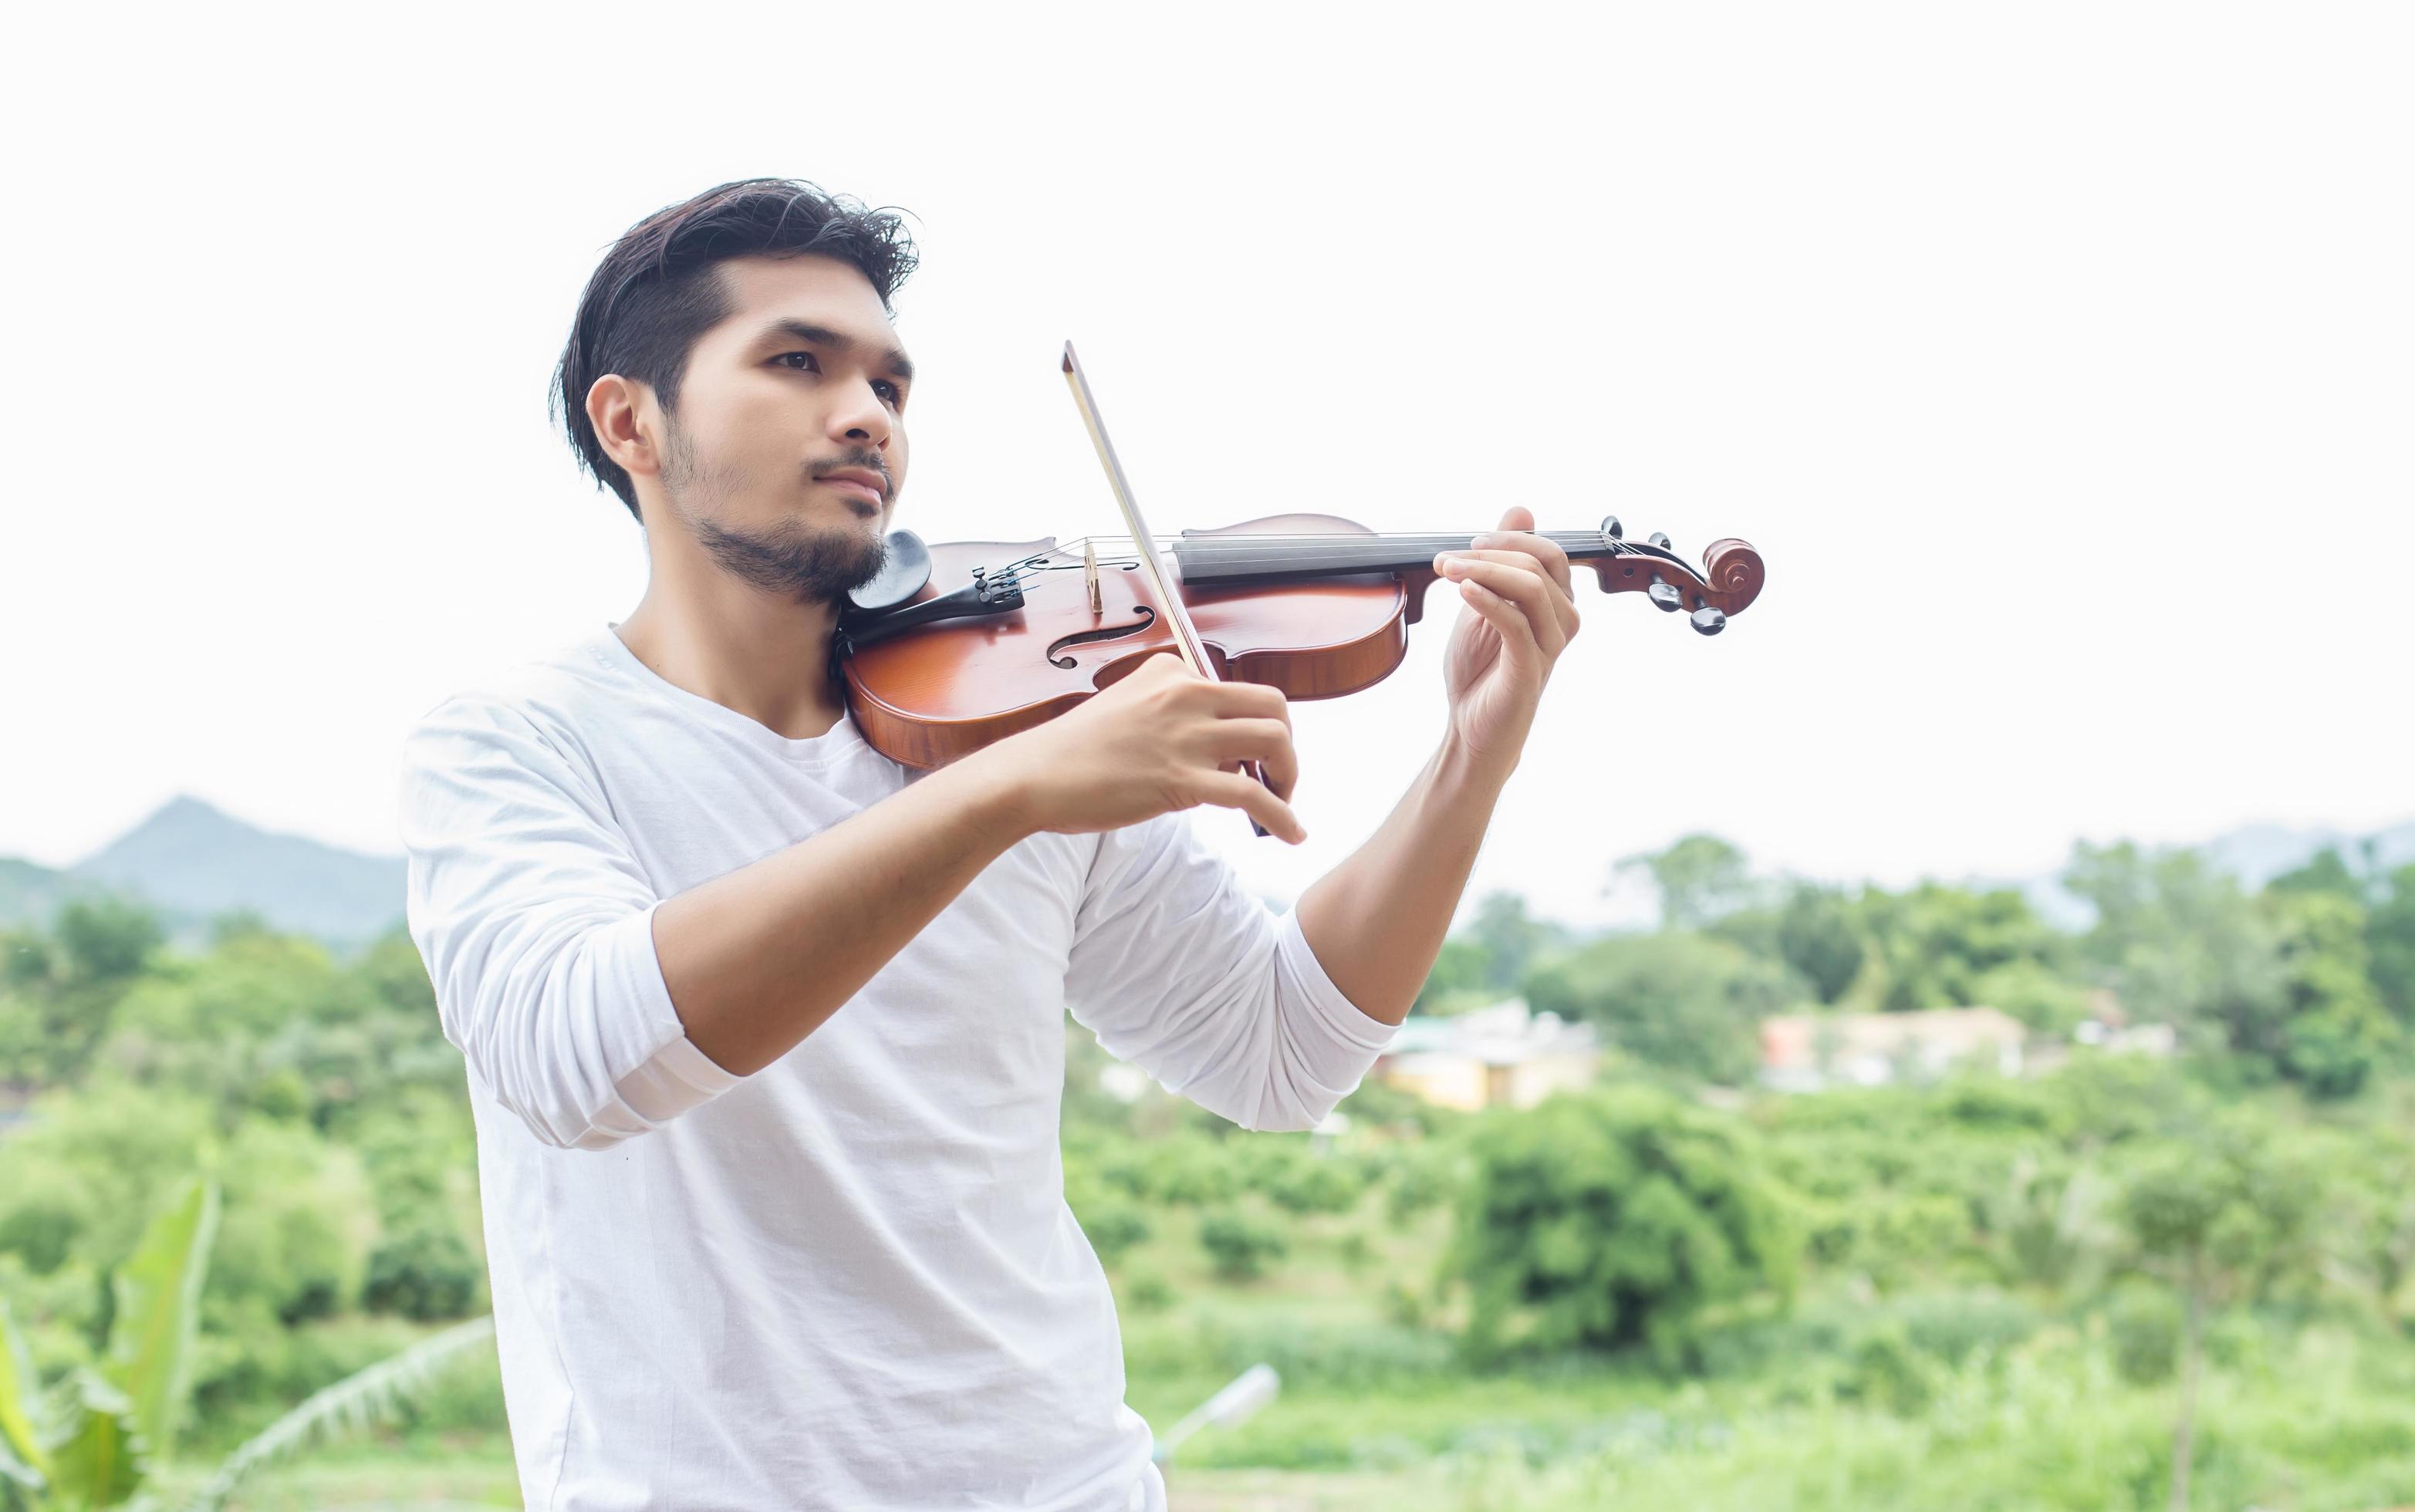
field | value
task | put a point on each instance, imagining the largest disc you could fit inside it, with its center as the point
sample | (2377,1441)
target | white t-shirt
(849,1280)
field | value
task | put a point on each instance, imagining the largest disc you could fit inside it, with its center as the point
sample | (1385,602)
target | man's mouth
(859,483)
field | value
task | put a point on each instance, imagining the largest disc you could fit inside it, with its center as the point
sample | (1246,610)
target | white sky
(2056,356)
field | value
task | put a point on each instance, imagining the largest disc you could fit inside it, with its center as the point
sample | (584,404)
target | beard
(791,560)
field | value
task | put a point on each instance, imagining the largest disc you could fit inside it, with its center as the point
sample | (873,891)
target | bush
(1614,1218)
(2143,1325)
(1690,1003)
(424,1274)
(1317,1185)
(1112,1228)
(1241,1245)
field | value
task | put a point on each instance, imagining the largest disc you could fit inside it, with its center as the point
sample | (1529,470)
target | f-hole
(1082,637)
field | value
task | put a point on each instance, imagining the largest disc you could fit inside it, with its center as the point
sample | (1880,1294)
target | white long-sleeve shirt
(848,1279)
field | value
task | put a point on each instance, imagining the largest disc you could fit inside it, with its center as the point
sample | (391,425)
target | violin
(996,637)
(954,646)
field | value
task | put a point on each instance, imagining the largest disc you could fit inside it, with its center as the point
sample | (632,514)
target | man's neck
(765,657)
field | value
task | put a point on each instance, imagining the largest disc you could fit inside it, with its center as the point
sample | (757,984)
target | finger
(1234,700)
(1541,547)
(1564,607)
(1266,742)
(1516,628)
(1232,790)
(1528,588)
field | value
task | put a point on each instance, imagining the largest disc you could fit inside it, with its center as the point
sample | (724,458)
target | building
(1500,1056)
(1806,1052)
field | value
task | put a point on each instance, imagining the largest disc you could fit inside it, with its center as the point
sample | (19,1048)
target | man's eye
(809,364)
(888,391)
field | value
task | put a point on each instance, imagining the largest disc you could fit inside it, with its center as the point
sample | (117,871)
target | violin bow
(1186,635)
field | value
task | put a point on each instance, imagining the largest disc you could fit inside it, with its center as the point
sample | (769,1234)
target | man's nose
(861,417)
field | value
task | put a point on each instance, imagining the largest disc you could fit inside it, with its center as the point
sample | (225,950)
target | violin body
(1312,605)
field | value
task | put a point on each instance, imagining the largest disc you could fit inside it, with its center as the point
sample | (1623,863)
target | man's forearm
(759,958)
(1377,920)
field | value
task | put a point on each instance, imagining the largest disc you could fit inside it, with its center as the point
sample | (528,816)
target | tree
(1686,1002)
(1815,932)
(2332,1030)
(1699,879)
(1611,1219)
(1511,938)
(2390,939)
(1936,944)
(2219,1218)
(2182,944)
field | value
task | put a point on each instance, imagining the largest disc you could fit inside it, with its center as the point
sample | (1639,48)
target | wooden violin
(960,644)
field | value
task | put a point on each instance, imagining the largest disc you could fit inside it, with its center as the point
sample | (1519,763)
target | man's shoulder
(545,695)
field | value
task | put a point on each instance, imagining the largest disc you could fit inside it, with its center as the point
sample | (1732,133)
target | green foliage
(2143,1325)
(424,1273)
(1688,1003)
(2389,943)
(1614,1218)
(1815,932)
(1699,879)
(2334,1031)
(1242,1246)
(1937,946)
(1326,1184)
(158,1295)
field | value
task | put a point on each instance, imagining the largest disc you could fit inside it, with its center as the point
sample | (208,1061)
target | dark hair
(656,292)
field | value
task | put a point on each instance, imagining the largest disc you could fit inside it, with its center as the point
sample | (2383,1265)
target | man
(765,1032)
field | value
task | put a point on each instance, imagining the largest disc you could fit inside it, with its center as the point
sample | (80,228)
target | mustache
(864,457)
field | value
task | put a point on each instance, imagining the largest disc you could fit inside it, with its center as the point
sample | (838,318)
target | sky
(2056,358)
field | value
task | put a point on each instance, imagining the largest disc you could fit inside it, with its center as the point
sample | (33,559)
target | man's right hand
(1157,739)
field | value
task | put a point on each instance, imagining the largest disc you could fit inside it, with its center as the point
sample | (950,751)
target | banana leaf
(159,1292)
(102,1462)
(20,1448)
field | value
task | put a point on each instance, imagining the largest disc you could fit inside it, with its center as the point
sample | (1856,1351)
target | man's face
(789,447)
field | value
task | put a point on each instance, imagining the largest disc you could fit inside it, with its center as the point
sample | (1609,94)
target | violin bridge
(1091,576)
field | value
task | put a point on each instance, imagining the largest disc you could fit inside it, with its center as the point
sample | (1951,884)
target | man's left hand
(1520,615)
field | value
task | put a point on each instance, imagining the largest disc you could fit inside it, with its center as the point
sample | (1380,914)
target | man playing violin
(765,1031)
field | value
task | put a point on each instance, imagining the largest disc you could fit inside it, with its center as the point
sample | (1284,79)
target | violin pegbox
(1729,579)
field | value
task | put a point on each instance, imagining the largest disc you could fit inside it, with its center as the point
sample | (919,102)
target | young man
(765,1032)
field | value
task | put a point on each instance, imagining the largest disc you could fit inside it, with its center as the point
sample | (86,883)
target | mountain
(2254,853)
(190,861)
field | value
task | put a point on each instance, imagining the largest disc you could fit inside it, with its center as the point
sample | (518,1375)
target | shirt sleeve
(536,925)
(1179,970)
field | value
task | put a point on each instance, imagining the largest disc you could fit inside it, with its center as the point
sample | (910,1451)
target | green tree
(1699,879)
(2182,944)
(2219,1218)
(1617,1217)
(2389,940)
(1814,930)
(1936,945)
(1686,1002)
(2333,1030)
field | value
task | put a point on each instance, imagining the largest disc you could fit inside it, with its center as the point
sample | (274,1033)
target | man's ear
(624,413)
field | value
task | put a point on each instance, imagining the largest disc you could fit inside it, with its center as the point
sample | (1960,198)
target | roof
(1803,1039)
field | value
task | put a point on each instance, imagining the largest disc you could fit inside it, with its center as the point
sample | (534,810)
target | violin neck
(1238,559)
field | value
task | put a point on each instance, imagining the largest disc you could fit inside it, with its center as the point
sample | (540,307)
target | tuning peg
(1610,528)
(1663,594)
(1709,620)
(1657,538)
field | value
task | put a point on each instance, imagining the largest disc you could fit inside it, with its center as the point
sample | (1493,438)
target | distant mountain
(191,862)
(2255,854)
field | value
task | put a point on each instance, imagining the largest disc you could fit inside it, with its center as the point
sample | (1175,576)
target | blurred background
(1948,1041)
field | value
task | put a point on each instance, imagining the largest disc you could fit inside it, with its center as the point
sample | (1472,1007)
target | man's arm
(759,958)
(1377,920)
